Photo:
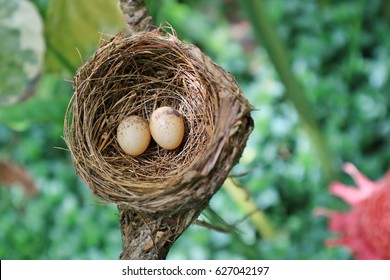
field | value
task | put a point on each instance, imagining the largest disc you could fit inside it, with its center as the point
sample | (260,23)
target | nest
(134,76)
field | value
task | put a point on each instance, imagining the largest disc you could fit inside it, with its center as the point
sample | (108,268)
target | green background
(317,73)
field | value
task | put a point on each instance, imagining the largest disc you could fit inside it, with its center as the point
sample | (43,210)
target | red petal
(349,194)
(362,182)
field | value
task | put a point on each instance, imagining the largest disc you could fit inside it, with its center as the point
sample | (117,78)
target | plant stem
(246,203)
(277,52)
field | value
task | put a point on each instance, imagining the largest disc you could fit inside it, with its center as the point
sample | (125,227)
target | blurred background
(317,73)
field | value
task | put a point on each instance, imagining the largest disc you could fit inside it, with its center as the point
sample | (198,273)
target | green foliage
(74,28)
(338,52)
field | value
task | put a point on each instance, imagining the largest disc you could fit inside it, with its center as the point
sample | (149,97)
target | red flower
(365,228)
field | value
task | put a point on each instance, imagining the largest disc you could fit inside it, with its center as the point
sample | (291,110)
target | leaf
(11,173)
(74,28)
(215,222)
(46,107)
(21,49)
(246,203)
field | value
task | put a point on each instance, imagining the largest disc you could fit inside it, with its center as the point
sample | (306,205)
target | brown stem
(136,16)
(148,236)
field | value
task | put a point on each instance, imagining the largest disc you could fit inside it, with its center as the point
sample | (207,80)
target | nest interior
(134,76)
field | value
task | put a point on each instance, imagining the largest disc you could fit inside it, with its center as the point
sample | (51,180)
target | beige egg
(167,127)
(133,135)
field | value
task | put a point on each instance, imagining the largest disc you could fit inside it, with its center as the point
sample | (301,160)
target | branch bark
(136,16)
(147,236)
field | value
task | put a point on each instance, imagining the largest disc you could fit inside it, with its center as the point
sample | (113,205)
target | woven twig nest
(134,76)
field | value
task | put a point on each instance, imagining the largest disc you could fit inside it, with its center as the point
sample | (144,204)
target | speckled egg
(167,127)
(133,135)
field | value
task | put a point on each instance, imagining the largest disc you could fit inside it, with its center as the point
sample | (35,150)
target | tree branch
(136,16)
(148,236)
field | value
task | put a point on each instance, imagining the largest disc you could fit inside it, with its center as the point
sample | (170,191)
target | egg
(133,135)
(167,127)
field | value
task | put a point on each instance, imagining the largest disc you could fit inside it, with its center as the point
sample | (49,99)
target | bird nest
(134,75)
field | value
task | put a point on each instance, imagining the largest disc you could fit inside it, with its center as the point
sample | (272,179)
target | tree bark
(136,16)
(148,236)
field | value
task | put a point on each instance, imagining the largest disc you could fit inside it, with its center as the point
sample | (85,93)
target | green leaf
(47,106)
(21,48)
(74,28)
